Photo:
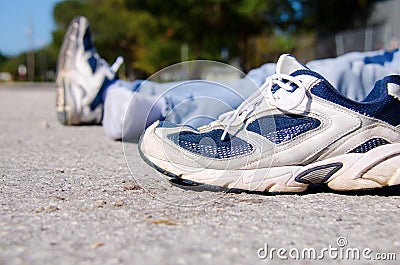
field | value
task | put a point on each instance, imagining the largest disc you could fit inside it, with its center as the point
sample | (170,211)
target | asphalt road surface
(70,195)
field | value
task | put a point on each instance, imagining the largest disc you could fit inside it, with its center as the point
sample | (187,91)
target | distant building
(383,32)
(387,13)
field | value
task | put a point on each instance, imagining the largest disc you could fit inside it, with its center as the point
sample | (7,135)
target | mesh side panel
(318,174)
(282,128)
(210,145)
(369,145)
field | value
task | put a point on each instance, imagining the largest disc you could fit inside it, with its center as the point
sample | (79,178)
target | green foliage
(11,64)
(328,16)
(207,26)
(3,58)
(150,34)
(45,63)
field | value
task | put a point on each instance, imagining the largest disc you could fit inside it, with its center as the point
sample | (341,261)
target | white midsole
(377,168)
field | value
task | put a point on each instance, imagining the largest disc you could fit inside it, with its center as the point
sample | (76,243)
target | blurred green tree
(152,34)
(207,26)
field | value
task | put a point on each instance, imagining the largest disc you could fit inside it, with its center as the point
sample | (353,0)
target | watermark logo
(339,251)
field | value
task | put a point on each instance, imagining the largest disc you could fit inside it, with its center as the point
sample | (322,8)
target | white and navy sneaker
(298,130)
(82,76)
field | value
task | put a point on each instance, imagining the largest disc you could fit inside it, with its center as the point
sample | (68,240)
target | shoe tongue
(287,64)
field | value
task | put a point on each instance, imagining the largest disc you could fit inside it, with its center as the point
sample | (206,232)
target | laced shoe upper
(296,118)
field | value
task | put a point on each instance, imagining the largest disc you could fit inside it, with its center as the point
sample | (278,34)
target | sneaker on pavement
(298,130)
(82,76)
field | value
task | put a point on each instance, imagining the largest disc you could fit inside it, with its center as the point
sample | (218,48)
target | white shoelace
(265,92)
(117,64)
(110,70)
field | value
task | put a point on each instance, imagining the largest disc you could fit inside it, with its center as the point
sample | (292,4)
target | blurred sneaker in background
(82,77)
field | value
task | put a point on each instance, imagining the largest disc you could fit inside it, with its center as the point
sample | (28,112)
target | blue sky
(15,18)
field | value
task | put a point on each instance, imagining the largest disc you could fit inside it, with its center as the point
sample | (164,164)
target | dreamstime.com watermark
(340,251)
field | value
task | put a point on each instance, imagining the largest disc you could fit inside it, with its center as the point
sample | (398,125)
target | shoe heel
(375,169)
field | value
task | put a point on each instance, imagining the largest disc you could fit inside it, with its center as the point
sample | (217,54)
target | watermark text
(339,251)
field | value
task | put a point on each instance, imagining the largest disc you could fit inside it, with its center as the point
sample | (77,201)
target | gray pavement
(70,195)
